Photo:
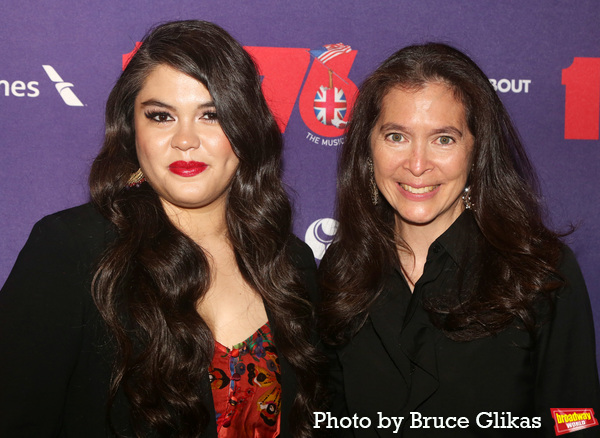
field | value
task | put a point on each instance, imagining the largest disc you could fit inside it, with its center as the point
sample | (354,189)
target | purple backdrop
(47,145)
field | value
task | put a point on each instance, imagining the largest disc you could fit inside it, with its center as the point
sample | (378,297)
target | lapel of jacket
(211,428)
(288,384)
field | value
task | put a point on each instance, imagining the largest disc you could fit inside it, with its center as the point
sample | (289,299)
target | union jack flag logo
(330,106)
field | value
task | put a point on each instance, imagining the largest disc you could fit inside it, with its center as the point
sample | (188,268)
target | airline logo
(319,235)
(63,88)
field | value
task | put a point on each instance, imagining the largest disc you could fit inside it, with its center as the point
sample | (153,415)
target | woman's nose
(417,162)
(186,137)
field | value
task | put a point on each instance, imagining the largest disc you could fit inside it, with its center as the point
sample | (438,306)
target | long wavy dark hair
(518,253)
(150,279)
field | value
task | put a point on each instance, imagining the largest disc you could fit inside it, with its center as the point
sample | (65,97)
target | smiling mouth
(419,190)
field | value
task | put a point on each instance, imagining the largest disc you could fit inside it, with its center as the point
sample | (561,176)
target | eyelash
(156,116)
(451,140)
(210,116)
(164,117)
(389,136)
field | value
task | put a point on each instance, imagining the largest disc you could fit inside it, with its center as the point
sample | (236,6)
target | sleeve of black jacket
(567,374)
(42,318)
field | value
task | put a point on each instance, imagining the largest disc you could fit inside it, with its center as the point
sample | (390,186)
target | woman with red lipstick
(444,295)
(178,302)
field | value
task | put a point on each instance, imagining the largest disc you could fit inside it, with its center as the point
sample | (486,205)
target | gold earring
(136,179)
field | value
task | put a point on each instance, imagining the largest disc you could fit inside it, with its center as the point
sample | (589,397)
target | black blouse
(400,365)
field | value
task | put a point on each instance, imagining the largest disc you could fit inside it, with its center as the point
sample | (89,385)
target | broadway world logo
(572,420)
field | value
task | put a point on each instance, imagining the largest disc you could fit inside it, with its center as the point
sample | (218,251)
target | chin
(415,216)
(417,221)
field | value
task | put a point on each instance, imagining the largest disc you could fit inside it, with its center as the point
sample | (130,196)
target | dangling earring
(374,189)
(466,197)
(136,179)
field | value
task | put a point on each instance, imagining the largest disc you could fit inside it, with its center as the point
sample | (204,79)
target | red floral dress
(246,387)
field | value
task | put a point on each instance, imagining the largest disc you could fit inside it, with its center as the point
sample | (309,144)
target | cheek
(459,169)
(222,149)
(386,164)
(151,144)
(142,151)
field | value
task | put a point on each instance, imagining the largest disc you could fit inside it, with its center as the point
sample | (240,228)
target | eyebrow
(154,102)
(450,129)
(392,127)
(443,129)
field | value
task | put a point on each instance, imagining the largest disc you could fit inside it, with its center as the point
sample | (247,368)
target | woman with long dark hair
(177,303)
(444,294)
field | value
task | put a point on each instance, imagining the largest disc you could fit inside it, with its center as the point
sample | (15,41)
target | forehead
(433,101)
(167,82)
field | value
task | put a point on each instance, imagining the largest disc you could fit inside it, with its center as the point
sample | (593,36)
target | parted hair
(150,279)
(518,253)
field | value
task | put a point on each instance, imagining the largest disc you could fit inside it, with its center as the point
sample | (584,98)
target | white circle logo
(320,234)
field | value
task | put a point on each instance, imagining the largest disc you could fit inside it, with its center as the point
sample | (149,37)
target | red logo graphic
(283,71)
(572,420)
(332,77)
(127,56)
(325,95)
(582,99)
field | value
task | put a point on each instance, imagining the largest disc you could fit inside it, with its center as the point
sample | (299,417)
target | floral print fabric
(246,388)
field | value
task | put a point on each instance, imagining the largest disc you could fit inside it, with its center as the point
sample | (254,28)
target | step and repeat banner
(60,59)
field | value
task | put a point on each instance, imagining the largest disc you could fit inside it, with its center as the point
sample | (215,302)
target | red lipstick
(187,168)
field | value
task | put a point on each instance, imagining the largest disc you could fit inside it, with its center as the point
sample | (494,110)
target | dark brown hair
(149,281)
(519,254)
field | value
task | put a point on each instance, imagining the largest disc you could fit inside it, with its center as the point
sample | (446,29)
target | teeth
(420,190)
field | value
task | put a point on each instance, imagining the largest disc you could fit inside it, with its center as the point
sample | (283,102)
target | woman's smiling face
(421,148)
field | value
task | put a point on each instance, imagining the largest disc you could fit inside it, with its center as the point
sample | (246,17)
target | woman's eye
(158,116)
(211,116)
(395,137)
(446,140)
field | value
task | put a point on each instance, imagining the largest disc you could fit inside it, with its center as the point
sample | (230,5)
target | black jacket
(400,365)
(55,361)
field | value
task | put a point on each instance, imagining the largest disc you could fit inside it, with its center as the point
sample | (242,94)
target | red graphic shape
(582,99)
(283,70)
(319,76)
(127,56)
(572,420)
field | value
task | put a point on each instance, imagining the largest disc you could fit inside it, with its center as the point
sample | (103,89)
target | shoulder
(78,231)
(574,288)
(568,261)
(83,218)
(569,305)
(569,269)
(56,265)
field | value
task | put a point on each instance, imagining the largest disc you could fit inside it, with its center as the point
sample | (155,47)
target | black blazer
(400,365)
(55,361)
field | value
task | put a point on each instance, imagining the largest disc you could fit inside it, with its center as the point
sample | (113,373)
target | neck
(417,239)
(203,225)
(413,255)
